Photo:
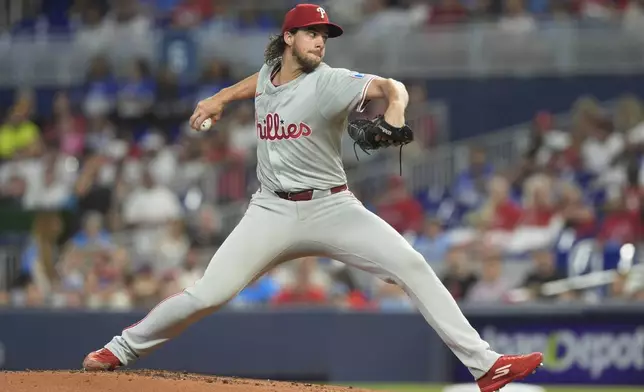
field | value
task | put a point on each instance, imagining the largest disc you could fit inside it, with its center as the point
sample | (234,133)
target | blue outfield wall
(596,345)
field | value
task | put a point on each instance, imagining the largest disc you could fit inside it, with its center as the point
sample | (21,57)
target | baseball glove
(374,134)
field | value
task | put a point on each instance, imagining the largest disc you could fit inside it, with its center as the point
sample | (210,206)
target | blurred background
(524,188)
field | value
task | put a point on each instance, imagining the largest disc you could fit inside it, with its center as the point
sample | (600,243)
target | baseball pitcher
(303,206)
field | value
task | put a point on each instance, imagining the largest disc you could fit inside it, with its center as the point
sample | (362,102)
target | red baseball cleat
(101,360)
(509,368)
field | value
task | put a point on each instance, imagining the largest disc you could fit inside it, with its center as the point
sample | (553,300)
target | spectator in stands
(146,210)
(135,97)
(398,208)
(34,297)
(145,287)
(634,189)
(127,23)
(190,165)
(303,291)
(433,242)
(629,119)
(259,293)
(90,192)
(629,113)
(628,285)
(633,17)
(100,135)
(73,268)
(493,286)
(12,191)
(617,289)
(480,10)
(215,77)
(499,212)
(620,225)
(158,156)
(243,131)
(470,185)
(342,298)
(538,202)
(92,235)
(516,19)
(66,130)
(597,11)
(37,264)
(172,249)
(171,105)
(224,176)
(458,277)
(391,298)
(191,13)
(544,271)
(192,269)
(602,146)
(379,17)
(100,90)
(448,12)
(205,227)
(19,136)
(92,34)
(51,192)
(231,178)
(347,12)
(546,141)
(106,283)
(5,299)
(576,213)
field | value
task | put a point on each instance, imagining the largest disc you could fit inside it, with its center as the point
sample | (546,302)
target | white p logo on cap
(321,11)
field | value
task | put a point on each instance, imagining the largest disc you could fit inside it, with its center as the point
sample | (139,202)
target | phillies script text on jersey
(274,128)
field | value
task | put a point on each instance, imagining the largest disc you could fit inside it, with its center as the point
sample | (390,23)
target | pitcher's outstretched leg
(356,236)
(235,264)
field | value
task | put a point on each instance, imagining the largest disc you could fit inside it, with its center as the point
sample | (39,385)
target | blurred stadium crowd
(133,203)
(94,20)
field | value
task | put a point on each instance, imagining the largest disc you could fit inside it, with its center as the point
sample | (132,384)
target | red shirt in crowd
(403,215)
(357,300)
(633,199)
(506,216)
(446,14)
(621,226)
(539,216)
(309,295)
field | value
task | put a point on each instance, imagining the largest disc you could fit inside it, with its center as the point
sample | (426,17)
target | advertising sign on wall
(574,353)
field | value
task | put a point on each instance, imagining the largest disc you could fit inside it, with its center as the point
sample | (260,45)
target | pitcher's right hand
(212,108)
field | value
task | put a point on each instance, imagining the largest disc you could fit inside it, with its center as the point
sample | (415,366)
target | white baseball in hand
(206,124)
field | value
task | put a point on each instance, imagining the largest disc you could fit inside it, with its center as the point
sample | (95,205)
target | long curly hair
(275,48)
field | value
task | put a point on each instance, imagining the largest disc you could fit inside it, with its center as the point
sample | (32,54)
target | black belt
(308,194)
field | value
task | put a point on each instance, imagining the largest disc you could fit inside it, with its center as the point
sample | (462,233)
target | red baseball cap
(305,15)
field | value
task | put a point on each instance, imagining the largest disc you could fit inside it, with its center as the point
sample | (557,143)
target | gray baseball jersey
(300,126)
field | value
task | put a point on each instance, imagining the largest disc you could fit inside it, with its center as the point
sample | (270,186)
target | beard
(307,64)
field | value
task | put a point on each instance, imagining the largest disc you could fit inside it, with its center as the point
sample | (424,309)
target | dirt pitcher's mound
(147,381)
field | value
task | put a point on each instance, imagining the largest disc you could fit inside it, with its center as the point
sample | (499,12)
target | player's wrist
(395,114)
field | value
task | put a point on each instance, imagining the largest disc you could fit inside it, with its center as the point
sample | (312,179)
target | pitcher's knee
(210,296)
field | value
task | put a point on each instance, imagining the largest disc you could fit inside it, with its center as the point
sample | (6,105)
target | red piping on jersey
(362,104)
(274,73)
(146,316)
